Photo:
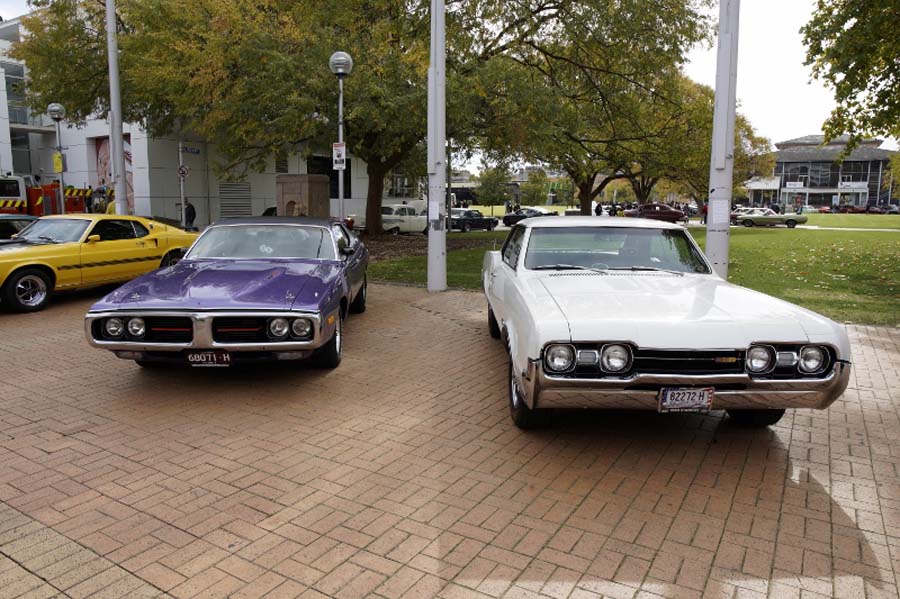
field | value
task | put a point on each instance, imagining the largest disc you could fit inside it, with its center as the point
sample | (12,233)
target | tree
(534,191)
(493,186)
(854,48)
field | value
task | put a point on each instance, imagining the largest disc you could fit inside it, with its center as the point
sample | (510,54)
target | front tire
(27,290)
(522,416)
(755,418)
(395,231)
(493,325)
(466,228)
(791,224)
(329,355)
(359,302)
(748,223)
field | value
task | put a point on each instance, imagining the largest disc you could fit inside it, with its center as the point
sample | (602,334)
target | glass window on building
(322,165)
(797,173)
(15,92)
(21,153)
(855,171)
(820,174)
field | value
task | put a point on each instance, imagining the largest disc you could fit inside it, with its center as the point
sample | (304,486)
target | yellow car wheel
(27,290)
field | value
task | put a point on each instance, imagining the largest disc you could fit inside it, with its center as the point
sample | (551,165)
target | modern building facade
(27,143)
(808,171)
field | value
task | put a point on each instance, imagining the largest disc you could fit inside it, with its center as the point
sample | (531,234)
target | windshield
(58,230)
(613,248)
(264,242)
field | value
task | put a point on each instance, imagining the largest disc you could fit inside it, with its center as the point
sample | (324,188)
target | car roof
(93,217)
(276,220)
(597,221)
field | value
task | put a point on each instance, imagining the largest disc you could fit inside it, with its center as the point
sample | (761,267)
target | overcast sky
(774,88)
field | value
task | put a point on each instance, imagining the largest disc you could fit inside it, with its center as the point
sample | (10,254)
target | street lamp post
(341,64)
(437,151)
(57,112)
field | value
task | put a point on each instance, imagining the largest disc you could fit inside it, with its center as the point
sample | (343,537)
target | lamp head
(341,64)
(56,111)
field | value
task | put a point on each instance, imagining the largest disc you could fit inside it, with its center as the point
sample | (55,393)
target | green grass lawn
(850,276)
(855,221)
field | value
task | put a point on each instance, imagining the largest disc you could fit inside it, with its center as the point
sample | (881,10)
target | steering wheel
(600,266)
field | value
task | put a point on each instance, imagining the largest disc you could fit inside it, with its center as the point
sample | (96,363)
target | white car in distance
(403,218)
(628,314)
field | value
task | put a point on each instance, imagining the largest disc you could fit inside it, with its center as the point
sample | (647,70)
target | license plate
(209,358)
(685,400)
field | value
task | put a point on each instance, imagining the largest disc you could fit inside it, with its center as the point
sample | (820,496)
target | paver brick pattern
(400,475)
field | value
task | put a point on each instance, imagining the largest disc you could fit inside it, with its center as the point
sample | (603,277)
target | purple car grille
(240,329)
(169,329)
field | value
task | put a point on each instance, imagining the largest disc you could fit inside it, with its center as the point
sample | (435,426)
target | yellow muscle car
(74,251)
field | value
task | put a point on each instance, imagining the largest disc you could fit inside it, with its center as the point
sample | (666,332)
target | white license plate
(208,358)
(685,400)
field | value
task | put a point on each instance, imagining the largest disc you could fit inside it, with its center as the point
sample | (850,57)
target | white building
(27,143)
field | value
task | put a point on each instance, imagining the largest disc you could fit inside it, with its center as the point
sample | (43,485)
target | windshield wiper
(568,267)
(47,238)
(648,269)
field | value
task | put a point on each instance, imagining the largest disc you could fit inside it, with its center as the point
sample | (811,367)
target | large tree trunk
(585,196)
(376,172)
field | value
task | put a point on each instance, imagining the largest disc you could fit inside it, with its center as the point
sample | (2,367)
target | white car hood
(660,310)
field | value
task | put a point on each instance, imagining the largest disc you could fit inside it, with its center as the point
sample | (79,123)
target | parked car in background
(12,224)
(248,290)
(527,212)
(403,218)
(766,217)
(825,210)
(628,314)
(465,220)
(657,212)
(737,212)
(892,209)
(850,209)
(75,251)
(875,209)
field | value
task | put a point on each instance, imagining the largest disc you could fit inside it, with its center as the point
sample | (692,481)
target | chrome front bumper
(203,332)
(641,391)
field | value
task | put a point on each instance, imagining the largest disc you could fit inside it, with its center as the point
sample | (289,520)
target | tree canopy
(855,48)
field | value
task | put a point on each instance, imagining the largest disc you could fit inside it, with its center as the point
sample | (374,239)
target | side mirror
(346,250)
(93,238)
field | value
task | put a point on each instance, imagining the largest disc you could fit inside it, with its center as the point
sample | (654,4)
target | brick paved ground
(400,475)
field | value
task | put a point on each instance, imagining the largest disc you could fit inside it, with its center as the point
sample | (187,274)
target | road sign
(339,156)
(183,171)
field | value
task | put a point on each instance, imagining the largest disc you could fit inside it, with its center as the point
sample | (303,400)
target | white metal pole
(340,173)
(437,148)
(721,168)
(116,140)
(62,182)
(181,184)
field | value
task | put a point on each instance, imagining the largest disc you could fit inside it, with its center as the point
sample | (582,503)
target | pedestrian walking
(190,213)
(703,213)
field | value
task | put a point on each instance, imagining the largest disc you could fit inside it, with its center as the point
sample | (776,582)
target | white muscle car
(628,314)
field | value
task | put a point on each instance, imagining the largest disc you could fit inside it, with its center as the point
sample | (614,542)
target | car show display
(76,251)
(253,289)
(463,219)
(628,314)
(766,217)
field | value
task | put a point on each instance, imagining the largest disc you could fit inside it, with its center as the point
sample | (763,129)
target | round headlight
(759,359)
(615,358)
(301,327)
(136,327)
(114,327)
(560,357)
(279,327)
(812,359)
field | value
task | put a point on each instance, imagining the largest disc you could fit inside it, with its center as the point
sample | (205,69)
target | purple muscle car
(264,288)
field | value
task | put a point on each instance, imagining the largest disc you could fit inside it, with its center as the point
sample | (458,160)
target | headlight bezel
(772,359)
(826,360)
(270,328)
(111,335)
(602,362)
(563,346)
(305,336)
(143,327)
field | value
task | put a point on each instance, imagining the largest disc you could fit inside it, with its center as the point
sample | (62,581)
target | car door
(503,280)
(354,264)
(113,251)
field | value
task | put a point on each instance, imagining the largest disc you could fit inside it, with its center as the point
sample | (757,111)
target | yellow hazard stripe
(11,203)
(39,201)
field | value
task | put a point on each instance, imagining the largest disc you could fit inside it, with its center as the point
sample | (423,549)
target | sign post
(182,175)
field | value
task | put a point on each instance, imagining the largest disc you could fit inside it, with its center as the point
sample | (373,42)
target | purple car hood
(228,285)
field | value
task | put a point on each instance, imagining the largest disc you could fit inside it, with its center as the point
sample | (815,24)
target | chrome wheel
(31,291)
